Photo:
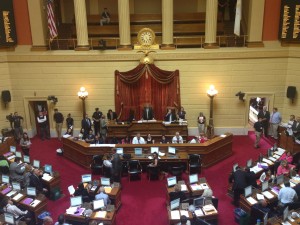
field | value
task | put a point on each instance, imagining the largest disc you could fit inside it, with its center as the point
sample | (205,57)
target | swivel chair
(194,164)
(134,169)
(97,164)
(153,172)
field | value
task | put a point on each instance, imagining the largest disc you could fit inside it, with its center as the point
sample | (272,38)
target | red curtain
(146,84)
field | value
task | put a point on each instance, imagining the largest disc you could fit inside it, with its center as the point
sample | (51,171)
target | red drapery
(146,84)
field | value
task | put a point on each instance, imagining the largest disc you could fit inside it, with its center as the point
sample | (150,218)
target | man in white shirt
(14,210)
(103,195)
(177,139)
(43,124)
(138,139)
(287,194)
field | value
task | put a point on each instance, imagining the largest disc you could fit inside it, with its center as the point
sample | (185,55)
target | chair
(256,214)
(126,158)
(194,165)
(215,202)
(177,171)
(97,164)
(4,169)
(134,169)
(153,172)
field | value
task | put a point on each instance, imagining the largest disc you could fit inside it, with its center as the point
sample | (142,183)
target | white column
(81,25)
(211,24)
(255,23)
(167,25)
(124,25)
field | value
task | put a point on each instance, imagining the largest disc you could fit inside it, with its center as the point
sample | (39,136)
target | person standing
(181,114)
(264,114)
(17,124)
(111,115)
(258,127)
(275,120)
(25,143)
(43,125)
(105,17)
(201,123)
(70,122)
(239,180)
(296,128)
(103,127)
(116,166)
(170,116)
(59,119)
(148,112)
(86,124)
(96,118)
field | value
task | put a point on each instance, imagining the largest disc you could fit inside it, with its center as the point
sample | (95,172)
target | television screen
(249,163)
(175,204)
(119,151)
(12,149)
(86,178)
(172,150)
(18,154)
(193,178)
(9,218)
(5,179)
(280,179)
(264,186)
(138,151)
(36,163)
(26,159)
(76,201)
(16,186)
(105,181)
(31,191)
(172,181)
(154,149)
(48,168)
(198,202)
(98,204)
(248,191)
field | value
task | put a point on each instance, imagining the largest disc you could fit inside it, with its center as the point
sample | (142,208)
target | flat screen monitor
(264,186)
(175,204)
(154,149)
(12,149)
(270,152)
(86,178)
(9,218)
(193,178)
(138,151)
(105,181)
(26,159)
(280,179)
(172,181)
(172,150)
(18,154)
(249,163)
(248,191)
(98,204)
(198,202)
(119,151)
(76,201)
(285,214)
(235,166)
(36,163)
(31,191)
(16,186)
(5,179)
(48,168)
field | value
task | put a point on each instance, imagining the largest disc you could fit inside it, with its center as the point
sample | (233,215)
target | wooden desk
(212,151)
(4,147)
(287,142)
(53,183)
(110,219)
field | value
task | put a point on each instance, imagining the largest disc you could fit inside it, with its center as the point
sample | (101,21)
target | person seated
(194,140)
(287,156)
(138,139)
(27,174)
(177,193)
(16,170)
(207,193)
(163,140)
(266,177)
(81,135)
(177,139)
(105,17)
(81,191)
(284,168)
(35,180)
(101,194)
(114,140)
(202,138)
(97,140)
(148,112)
(154,160)
(263,206)
(47,220)
(181,114)
(184,221)
(9,207)
(286,195)
(149,139)
(4,164)
(111,115)
(170,116)
(126,140)
(90,137)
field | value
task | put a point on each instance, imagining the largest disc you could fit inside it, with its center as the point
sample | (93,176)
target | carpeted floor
(143,202)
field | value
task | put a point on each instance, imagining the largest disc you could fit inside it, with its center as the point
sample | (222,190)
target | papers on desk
(286,223)
(196,187)
(166,122)
(17,197)
(35,203)
(279,151)
(275,190)
(184,213)
(251,200)
(11,193)
(223,135)
(71,190)
(46,177)
(256,169)
(150,157)
(267,161)
(75,211)
(27,201)
(268,195)
(199,212)
(107,190)
(175,215)
(272,159)
(7,154)
(11,157)
(295,180)
(161,153)
(183,187)
(103,145)
(100,214)
(209,209)
(260,196)
(66,136)
(93,188)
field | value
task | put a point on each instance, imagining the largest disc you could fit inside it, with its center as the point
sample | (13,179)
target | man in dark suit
(35,181)
(265,116)
(86,124)
(170,116)
(148,112)
(239,179)
(116,166)
(96,118)
(111,115)
(296,128)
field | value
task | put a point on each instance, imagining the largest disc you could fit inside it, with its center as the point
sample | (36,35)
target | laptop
(172,181)
(248,191)
(5,179)
(105,181)
(98,204)
(31,191)
(18,154)
(119,151)
(172,152)
(154,149)
(16,186)
(76,201)
(48,168)
(12,149)
(199,202)
(264,186)
(175,204)
(9,218)
(193,178)
(280,179)
(249,163)
(138,152)
(86,178)
(26,159)
(36,163)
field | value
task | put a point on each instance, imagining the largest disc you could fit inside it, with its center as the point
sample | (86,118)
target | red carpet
(143,202)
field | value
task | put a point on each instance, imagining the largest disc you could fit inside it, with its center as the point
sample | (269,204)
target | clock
(146,37)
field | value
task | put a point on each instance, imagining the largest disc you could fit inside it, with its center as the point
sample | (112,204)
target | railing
(196,41)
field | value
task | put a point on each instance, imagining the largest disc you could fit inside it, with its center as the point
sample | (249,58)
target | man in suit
(35,181)
(296,128)
(148,112)
(239,179)
(265,116)
(170,116)
(116,166)
(16,170)
(111,115)
(96,118)
(86,124)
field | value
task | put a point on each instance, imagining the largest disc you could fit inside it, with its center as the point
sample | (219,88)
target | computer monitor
(98,204)
(9,218)
(172,150)
(138,151)
(86,178)
(279,179)
(248,191)
(249,163)
(119,151)
(18,154)
(264,186)
(175,204)
(76,201)
(26,159)
(235,166)
(193,178)
(105,181)
(36,163)
(270,152)
(16,186)
(172,181)
(12,149)
(198,202)
(31,191)
(5,179)
(285,214)
(48,168)
(154,149)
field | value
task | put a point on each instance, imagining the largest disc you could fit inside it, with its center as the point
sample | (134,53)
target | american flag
(51,20)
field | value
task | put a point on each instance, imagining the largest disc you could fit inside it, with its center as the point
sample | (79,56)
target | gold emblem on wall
(146,39)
